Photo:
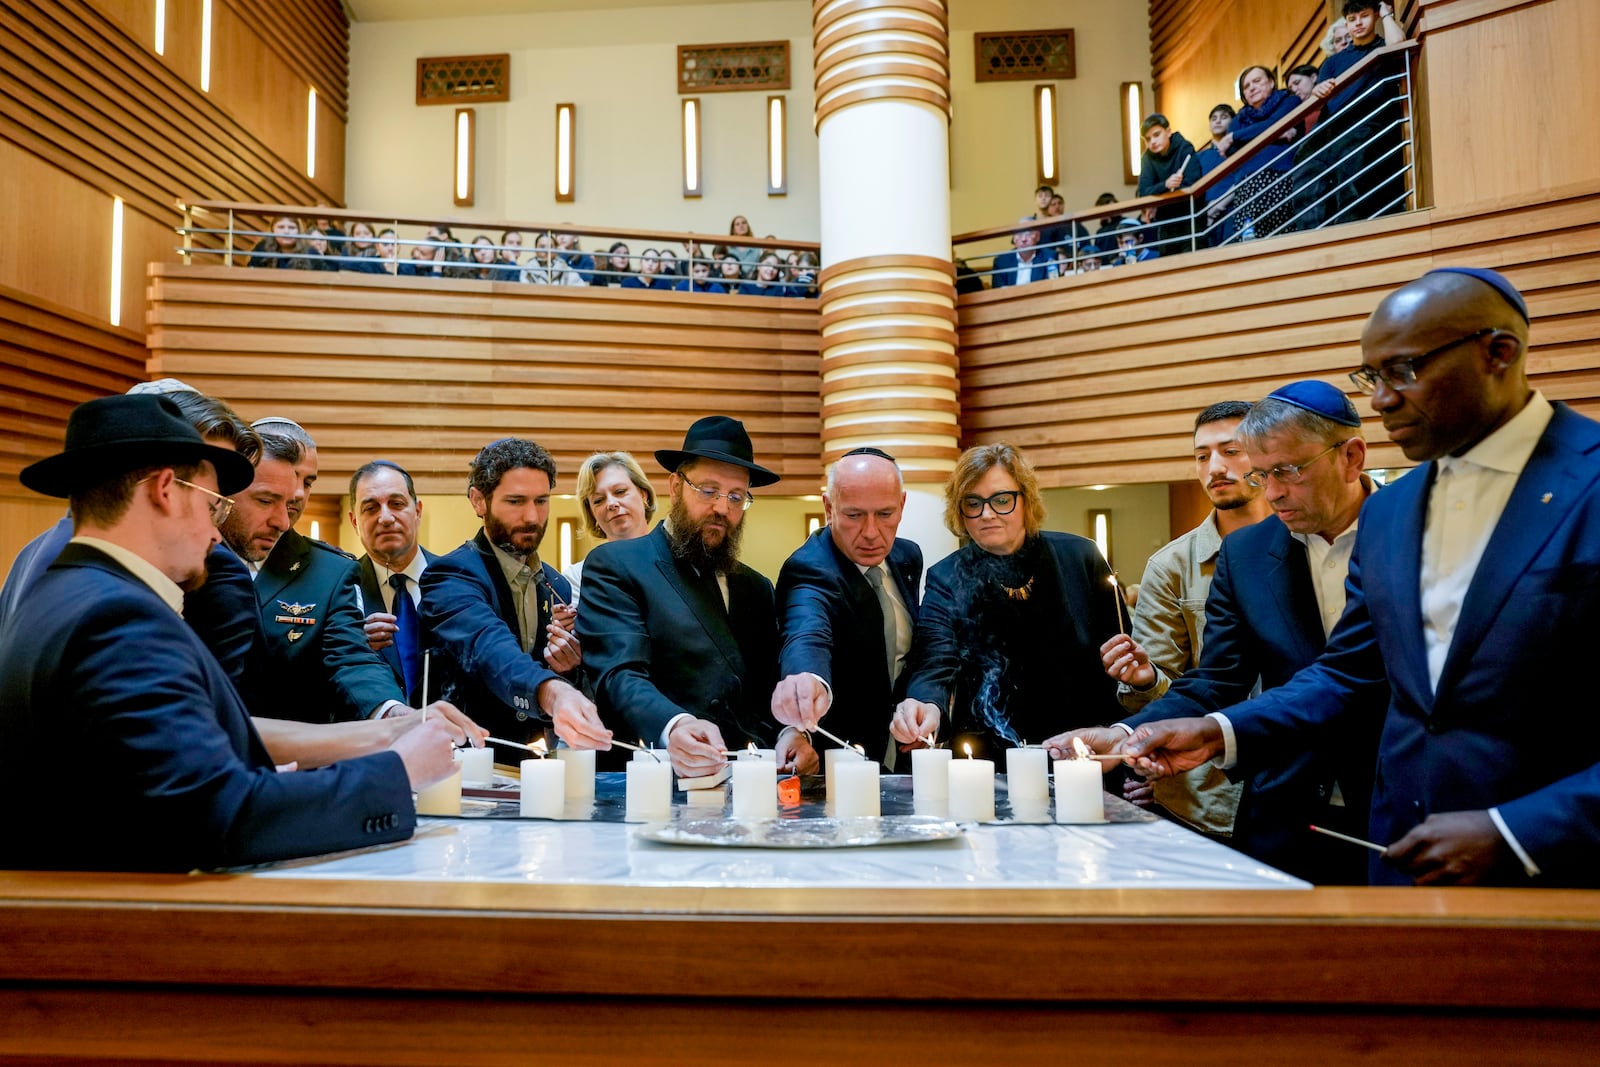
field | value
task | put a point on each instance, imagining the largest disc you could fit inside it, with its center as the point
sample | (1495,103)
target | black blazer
(1262,622)
(316,646)
(99,663)
(372,601)
(657,643)
(958,651)
(831,625)
(469,625)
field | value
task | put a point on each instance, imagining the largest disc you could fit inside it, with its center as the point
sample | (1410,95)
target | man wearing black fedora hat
(679,637)
(99,661)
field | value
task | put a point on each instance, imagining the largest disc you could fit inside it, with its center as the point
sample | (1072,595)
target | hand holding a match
(1099,739)
(574,715)
(801,700)
(914,720)
(1163,749)
(696,747)
(795,753)
(1455,848)
(562,653)
(1126,661)
(462,729)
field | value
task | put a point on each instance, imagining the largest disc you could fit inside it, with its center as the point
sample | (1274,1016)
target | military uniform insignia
(295,615)
(295,635)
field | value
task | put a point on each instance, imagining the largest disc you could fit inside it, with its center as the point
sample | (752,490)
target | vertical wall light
(465,155)
(1100,530)
(566,531)
(161,27)
(116,261)
(1046,147)
(205,46)
(691,147)
(311,133)
(777,147)
(1133,144)
(566,141)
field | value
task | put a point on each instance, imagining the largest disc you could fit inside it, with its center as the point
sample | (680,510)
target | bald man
(1474,598)
(847,606)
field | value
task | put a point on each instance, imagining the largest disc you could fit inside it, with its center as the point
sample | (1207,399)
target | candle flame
(966,746)
(859,749)
(752,746)
(1079,749)
(541,748)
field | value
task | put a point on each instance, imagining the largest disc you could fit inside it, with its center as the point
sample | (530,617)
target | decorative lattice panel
(464,79)
(726,68)
(1025,56)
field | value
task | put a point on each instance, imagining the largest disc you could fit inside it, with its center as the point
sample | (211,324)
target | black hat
(722,439)
(117,434)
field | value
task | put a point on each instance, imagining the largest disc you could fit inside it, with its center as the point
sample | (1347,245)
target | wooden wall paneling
(428,372)
(316,49)
(1100,376)
(55,234)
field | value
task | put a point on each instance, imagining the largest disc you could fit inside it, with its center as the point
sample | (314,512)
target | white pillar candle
(830,758)
(759,754)
(755,789)
(580,770)
(477,766)
(972,790)
(1079,795)
(857,793)
(544,788)
(930,781)
(442,797)
(652,755)
(649,797)
(1028,777)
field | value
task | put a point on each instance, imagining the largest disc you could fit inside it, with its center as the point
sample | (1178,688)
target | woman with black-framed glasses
(1008,636)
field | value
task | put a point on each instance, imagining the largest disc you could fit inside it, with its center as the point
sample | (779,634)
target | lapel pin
(294,566)
(1546,498)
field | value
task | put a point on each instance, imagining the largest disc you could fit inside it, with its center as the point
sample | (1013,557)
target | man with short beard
(496,618)
(679,637)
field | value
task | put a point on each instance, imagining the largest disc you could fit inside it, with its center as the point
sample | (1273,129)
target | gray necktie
(891,634)
(523,579)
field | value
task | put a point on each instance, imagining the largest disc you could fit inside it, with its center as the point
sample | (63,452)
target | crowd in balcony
(555,258)
(1351,171)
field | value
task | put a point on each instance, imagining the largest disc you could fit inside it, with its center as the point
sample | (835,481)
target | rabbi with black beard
(1008,640)
(679,638)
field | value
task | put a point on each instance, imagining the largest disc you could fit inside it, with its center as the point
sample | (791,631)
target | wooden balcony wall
(426,372)
(1099,376)
(89,112)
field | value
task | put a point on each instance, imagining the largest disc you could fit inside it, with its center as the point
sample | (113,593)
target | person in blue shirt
(1263,184)
(1366,119)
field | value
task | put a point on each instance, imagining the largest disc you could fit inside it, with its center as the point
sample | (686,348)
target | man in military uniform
(319,663)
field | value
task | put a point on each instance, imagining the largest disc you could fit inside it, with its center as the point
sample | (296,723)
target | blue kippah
(1319,398)
(1494,280)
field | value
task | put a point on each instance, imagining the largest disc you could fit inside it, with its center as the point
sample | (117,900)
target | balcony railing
(1356,160)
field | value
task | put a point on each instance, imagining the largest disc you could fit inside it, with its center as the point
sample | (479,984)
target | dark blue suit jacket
(1005,265)
(372,600)
(830,624)
(469,626)
(99,664)
(657,642)
(1262,622)
(1508,724)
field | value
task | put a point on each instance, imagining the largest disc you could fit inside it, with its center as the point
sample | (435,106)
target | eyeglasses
(1289,473)
(221,507)
(1000,503)
(737,498)
(1402,373)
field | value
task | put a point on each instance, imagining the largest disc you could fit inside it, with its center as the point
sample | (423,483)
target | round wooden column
(887,288)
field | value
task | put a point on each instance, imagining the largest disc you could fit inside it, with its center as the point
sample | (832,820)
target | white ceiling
(410,10)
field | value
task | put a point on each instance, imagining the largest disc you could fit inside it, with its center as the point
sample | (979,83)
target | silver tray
(801,833)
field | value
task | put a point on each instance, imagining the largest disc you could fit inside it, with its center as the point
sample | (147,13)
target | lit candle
(580,770)
(544,788)
(755,789)
(1079,796)
(1028,777)
(830,759)
(754,753)
(857,794)
(649,795)
(930,781)
(650,755)
(477,766)
(442,797)
(971,789)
